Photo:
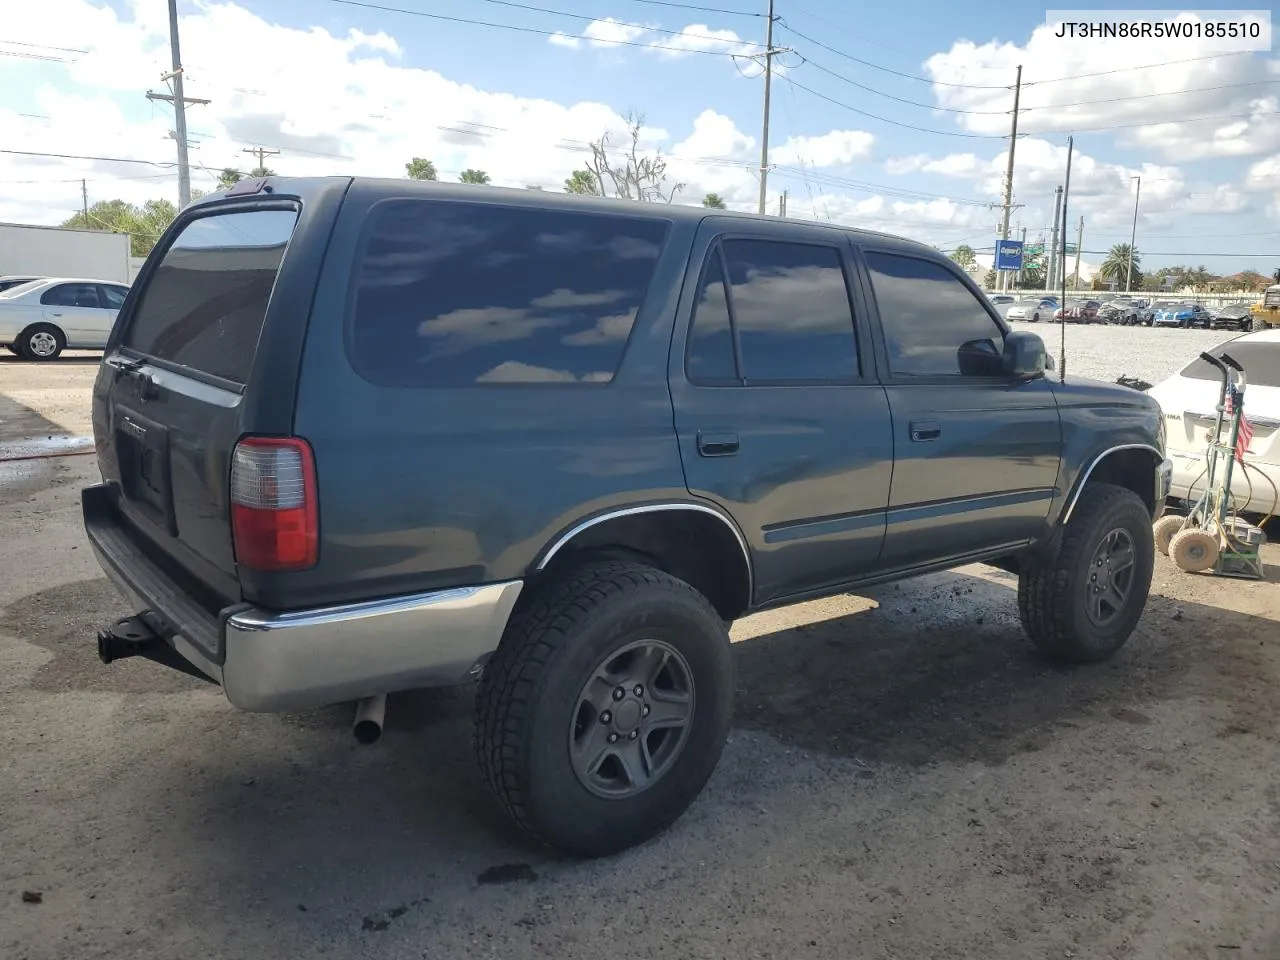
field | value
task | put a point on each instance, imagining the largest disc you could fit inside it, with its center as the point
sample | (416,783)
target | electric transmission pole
(84,197)
(179,107)
(1079,244)
(261,153)
(764,136)
(1008,176)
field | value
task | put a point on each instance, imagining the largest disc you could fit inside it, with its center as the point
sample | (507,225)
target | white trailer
(30,250)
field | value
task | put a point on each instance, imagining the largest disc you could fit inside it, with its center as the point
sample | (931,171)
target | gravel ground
(905,779)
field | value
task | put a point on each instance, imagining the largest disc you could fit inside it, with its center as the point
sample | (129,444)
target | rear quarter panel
(426,488)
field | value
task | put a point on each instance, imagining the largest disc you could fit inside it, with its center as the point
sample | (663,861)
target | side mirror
(1024,356)
(979,358)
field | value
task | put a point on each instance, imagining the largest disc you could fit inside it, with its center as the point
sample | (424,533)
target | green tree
(714,201)
(1032,278)
(228,177)
(473,176)
(420,169)
(257,172)
(584,182)
(990,280)
(963,256)
(144,224)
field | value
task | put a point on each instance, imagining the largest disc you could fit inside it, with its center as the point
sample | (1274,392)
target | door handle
(925,430)
(55,314)
(717,444)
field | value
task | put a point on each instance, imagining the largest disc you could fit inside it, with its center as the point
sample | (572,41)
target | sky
(889,116)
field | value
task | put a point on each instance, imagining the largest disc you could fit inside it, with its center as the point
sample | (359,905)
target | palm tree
(1116,266)
(714,201)
(228,177)
(474,176)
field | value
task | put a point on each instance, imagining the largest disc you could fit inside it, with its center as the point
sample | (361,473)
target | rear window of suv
(204,306)
(1260,359)
(450,293)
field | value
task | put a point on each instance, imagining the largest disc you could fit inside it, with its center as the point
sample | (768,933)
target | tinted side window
(791,308)
(452,293)
(927,314)
(71,295)
(710,352)
(205,304)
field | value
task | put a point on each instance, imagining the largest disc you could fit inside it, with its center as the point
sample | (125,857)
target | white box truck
(30,250)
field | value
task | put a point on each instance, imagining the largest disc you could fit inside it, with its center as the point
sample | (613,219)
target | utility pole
(782,204)
(1013,143)
(764,136)
(1133,238)
(1079,243)
(1024,256)
(84,197)
(1052,272)
(179,102)
(1062,331)
(261,153)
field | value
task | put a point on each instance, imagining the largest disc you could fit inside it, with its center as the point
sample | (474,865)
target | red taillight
(274,519)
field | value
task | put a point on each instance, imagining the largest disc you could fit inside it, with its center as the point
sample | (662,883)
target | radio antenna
(1062,333)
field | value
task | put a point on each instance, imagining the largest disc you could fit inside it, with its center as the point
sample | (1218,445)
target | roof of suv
(466,191)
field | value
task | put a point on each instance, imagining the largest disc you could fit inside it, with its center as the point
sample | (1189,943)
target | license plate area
(142,446)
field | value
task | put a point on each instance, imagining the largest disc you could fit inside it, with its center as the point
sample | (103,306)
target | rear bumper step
(269,661)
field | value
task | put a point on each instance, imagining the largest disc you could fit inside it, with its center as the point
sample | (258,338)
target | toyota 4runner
(359,436)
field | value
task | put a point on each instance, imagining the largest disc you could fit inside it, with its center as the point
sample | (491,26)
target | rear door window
(1261,362)
(112,297)
(71,295)
(449,293)
(204,306)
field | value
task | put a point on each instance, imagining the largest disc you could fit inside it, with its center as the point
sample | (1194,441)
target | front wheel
(606,707)
(1082,605)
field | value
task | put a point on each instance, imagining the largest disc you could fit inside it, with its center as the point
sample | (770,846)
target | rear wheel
(41,341)
(1194,550)
(1083,604)
(605,709)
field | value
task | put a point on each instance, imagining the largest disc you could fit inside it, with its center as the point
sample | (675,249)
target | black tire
(14,350)
(1053,598)
(31,343)
(529,698)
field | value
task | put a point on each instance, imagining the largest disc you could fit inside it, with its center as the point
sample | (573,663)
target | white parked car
(40,319)
(1189,399)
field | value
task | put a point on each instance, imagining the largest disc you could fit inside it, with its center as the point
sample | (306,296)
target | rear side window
(112,297)
(71,295)
(1261,362)
(205,304)
(453,293)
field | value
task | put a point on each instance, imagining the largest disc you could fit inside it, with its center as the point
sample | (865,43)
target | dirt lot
(907,779)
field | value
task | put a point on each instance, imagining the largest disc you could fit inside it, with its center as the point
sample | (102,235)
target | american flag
(1245,435)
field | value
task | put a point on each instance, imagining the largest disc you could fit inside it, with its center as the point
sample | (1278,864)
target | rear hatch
(170,398)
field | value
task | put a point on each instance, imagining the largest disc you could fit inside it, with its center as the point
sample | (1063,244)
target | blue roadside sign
(1008,254)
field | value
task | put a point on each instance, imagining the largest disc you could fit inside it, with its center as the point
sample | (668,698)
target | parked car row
(1127,311)
(39,318)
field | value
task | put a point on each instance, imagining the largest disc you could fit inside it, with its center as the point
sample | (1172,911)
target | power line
(896,73)
(1144,96)
(556,33)
(890,96)
(656,3)
(1154,123)
(897,123)
(44,46)
(1143,66)
(593,19)
(76,156)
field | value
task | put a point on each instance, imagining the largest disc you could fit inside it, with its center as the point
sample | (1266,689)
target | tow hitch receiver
(134,637)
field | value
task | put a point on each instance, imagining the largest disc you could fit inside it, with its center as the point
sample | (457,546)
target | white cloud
(1264,175)
(898,166)
(1154,108)
(610,32)
(670,45)
(827,150)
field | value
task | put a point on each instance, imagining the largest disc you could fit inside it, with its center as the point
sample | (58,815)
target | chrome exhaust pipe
(370,712)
